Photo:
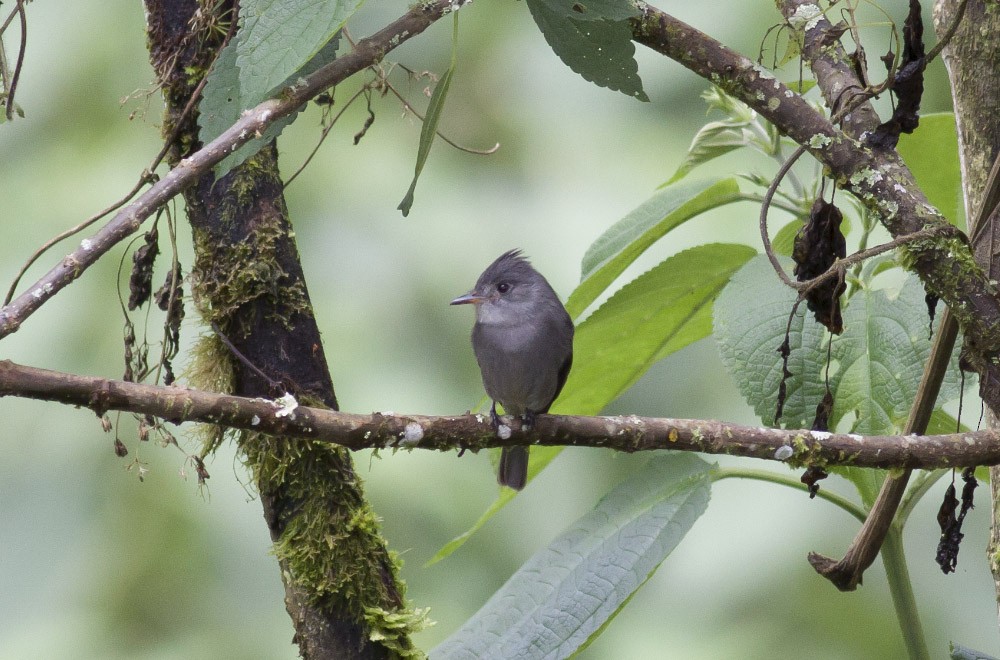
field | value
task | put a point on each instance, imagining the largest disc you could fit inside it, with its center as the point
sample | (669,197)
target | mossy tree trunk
(340,579)
(973,61)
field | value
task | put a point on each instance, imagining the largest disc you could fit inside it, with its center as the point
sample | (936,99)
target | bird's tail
(513,471)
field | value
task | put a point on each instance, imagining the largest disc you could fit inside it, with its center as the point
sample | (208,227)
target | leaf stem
(791,482)
(903,599)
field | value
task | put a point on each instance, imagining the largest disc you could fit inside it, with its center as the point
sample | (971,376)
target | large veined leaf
(881,356)
(623,242)
(931,153)
(751,315)
(223,101)
(565,594)
(594,39)
(658,313)
(278,37)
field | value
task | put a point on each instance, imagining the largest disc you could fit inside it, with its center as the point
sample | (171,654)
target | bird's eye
(503,287)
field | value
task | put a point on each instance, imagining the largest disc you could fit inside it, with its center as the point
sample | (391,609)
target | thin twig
(766,205)
(146,177)
(946,37)
(20,60)
(326,131)
(469,150)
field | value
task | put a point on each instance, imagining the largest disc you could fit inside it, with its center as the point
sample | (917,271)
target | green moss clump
(332,532)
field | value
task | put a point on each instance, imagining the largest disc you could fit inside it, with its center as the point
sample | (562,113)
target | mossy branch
(473,432)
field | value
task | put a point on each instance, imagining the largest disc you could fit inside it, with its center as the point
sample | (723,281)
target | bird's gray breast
(520,365)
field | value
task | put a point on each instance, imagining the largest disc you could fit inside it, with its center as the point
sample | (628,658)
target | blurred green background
(95,564)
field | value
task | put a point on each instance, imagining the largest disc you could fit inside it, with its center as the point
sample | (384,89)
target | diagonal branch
(252,123)
(878,178)
(474,432)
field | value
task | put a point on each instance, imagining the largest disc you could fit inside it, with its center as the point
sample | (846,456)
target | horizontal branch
(252,123)
(627,433)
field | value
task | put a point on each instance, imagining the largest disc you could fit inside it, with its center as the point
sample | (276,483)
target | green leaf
(941,423)
(592,10)
(429,129)
(751,316)
(867,481)
(784,241)
(278,37)
(223,102)
(596,45)
(565,594)
(658,313)
(793,48)
(931,153)
(881,357)
(623,242)
(427,133)
(714,139)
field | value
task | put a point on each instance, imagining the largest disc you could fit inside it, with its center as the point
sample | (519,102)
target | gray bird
(523,340)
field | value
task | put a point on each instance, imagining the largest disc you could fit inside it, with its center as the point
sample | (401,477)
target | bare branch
(390,431)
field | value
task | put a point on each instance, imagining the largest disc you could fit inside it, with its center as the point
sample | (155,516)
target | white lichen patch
(821,435)
(286,406)
(87,244)
(806,17)
(255,420)
(783,453)
(413,433)
(503,432)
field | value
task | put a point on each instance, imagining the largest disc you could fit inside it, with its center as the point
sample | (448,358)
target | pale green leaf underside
(881,356)
(568,591)
(784,241)
(714,139)
(751,315)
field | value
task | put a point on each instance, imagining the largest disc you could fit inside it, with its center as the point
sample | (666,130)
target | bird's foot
(494,417)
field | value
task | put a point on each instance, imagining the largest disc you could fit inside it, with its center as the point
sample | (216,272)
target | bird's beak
(467,299)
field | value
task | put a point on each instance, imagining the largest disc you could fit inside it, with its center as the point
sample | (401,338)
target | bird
(523,342)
